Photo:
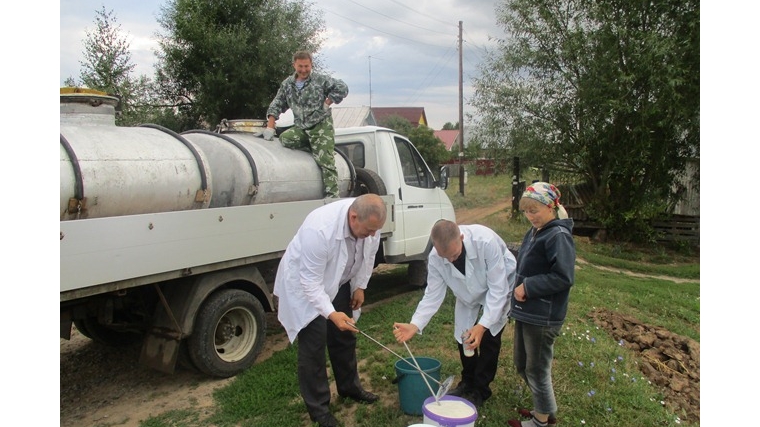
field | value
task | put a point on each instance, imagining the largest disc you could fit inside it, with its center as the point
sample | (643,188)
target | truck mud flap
(160,350)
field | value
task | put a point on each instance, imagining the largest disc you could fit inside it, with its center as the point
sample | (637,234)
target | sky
(391,53)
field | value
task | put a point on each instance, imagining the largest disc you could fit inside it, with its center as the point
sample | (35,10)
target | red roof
(449,137)
(415,115)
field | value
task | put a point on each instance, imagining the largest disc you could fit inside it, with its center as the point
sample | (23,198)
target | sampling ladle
(443,387)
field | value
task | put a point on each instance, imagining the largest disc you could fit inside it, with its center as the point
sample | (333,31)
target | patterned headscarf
(548,195)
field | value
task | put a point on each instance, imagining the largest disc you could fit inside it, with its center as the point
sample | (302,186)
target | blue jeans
(533,354)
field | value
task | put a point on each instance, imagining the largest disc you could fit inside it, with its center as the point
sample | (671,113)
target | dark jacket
(546,265)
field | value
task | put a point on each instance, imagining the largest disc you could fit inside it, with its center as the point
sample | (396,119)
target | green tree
(226,58)
(607,91)
(107,61)
(397,123)
(450,126)
(108,68)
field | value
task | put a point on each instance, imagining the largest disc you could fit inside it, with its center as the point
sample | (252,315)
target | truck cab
(420,198)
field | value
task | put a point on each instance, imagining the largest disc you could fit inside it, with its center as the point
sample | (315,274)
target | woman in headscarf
(545,273)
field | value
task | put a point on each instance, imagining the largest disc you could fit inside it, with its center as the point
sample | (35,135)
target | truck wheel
(107,336)
(229,333)
(416,273)
(367,181)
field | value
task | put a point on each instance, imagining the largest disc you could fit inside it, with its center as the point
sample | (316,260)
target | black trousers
(312,363)
(478,371)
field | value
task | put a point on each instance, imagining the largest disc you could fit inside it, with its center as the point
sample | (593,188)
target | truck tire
(367,181)
(228,334)
(416,273)
(101,334)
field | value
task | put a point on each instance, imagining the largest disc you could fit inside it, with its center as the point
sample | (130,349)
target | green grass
(597,382)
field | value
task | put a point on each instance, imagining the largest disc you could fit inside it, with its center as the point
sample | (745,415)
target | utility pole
(461,117)
(370,82)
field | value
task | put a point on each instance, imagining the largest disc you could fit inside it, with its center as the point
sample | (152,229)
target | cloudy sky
(391,53)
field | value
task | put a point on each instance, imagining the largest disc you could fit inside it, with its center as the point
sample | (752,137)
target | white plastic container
(440,420)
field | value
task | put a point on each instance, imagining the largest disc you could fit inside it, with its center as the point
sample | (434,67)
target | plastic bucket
(412,390)
(442,420)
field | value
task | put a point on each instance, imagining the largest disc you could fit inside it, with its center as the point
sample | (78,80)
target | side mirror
(444,181)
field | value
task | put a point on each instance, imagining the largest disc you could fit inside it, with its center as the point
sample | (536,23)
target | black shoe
(327,420)
(363,396)
(474,397)
(460,390)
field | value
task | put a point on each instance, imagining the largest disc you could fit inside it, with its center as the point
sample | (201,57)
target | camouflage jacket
(308,103)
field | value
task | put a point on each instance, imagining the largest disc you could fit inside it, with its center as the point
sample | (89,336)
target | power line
(398,20)
(381,31)
(426,15)
(439,67)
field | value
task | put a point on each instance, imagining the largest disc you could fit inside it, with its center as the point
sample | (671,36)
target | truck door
(419,196)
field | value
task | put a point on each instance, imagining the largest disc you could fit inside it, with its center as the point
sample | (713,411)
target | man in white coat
(475,263)
(322,277)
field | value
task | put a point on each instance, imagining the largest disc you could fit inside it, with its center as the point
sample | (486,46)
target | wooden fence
(672,228)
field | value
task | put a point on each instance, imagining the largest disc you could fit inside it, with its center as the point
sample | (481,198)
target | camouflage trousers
(320,141)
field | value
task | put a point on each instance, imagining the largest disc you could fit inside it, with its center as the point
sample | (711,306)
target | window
(416,172)
(354,151)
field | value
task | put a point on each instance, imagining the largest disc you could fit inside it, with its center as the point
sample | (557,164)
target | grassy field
(597,382)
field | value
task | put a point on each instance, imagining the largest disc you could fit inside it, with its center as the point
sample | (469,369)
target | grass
(597,382)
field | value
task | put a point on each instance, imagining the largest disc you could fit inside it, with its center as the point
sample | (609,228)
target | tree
(397,123)
(226,58)
(450,126)
(108,68)
(108,61)
(607,91)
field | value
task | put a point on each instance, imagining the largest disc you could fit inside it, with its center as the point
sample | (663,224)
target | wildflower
(593,339)
(580,363)
(614,370)
(609,409)
(678,420)
(612,379)
(620,358)
(620,343)
(583,421)
(591,393)
(591,364)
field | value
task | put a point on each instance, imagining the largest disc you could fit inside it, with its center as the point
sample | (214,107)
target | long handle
(395,354)
(423,377)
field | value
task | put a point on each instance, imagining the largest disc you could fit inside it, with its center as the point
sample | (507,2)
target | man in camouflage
(309,95)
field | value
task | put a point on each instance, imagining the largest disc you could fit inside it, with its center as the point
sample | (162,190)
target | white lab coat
(490,269)
(309,273)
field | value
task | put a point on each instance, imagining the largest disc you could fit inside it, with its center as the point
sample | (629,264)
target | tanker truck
(172,240)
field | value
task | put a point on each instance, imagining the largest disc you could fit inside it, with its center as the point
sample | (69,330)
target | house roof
(415,115)
(449,137)
(344,117)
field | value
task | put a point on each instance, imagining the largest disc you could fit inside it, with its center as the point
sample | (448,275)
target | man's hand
(357,299)
(267,134)
(342,322)
(476,337)
(404,331)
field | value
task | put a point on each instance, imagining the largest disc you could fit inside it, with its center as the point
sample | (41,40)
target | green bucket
(412,390)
